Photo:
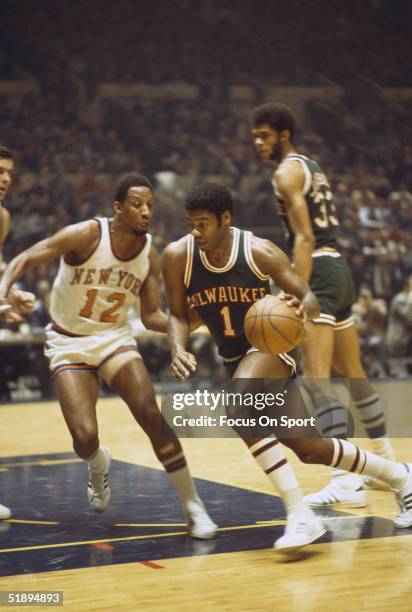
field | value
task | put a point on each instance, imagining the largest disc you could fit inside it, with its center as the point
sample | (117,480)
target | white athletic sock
(372,414)
(383,447)
(269,454)
(98,461)
(332,418)
(349,457)
(186,490)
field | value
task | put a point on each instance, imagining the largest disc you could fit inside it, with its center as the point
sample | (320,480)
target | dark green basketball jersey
(319,200)
(222,296)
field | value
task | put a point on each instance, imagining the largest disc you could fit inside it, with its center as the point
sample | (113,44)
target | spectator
(399,333)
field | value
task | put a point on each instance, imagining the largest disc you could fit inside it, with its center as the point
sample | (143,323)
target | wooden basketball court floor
(137,556)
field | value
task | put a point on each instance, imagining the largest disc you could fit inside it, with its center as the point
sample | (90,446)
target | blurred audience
(70,147)
(399,331)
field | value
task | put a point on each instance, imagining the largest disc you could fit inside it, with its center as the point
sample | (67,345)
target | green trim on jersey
(222,296)
(319,200)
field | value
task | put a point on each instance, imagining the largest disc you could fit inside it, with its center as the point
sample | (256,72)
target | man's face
(137,209)
(6,173)
(206,229)
(267,143)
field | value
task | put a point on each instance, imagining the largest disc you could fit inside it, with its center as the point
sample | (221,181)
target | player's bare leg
(348,365)
(133,384)
(345,490)
(317,352)
(78,392)
(303,527)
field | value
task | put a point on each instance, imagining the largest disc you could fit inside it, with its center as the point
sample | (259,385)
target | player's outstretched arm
(72,239)
(152,316)
(273,261)
(290,182)
(173,265)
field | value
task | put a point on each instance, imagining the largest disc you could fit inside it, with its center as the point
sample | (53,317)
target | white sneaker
(5,513)
(199,523)
(98,490)
(404,519)
(302,528)
(335,495)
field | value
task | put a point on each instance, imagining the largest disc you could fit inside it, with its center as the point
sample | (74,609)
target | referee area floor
(138,556)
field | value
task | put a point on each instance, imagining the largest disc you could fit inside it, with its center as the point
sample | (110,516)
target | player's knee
(84,435)
(317,389)
(351,370)
(146,412)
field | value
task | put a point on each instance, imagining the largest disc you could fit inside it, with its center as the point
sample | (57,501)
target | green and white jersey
(222,296)
(319,200)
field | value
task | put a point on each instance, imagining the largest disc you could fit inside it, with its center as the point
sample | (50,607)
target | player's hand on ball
(294,302)
(183,364)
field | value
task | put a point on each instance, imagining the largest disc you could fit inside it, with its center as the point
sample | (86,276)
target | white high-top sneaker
(5,513)
(199,523)
(302,528)
(98,490)
(404,519)
(342,492)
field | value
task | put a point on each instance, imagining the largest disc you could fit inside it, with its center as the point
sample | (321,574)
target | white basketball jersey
(95,296)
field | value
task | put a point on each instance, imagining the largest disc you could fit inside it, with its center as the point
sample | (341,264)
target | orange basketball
(272,326)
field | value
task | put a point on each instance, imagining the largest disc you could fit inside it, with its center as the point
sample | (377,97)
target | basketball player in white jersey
(19,301)
(105,266)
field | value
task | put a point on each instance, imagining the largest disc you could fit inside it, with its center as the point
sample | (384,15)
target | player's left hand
(294,302)
(22,301)
(183,364)
(7,314)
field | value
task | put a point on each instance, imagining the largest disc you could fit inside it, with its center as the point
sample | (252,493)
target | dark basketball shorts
(288,358)
(332,283)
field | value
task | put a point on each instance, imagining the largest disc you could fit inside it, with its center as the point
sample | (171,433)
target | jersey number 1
(227,322)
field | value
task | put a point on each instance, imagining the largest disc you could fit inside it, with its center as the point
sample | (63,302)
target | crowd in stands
(288,42)
(68,162)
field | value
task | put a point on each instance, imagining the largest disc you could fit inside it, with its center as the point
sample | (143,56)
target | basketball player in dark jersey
(307,210)
(221,270)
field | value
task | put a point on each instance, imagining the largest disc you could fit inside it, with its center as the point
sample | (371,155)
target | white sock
(186,490)
(383,447)
(349,457)
(98,461)
(371,411)
(269,455)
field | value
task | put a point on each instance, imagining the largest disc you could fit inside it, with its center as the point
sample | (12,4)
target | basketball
(272,326)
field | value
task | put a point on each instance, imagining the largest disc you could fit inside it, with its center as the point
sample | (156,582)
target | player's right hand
(294,302)
(183,365)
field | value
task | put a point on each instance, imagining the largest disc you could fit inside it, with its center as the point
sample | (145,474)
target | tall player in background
(105,266)
(306,207)
(6,174)
(221,270)
(20,301)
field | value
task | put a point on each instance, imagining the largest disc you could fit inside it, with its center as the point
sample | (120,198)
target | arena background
(91,89)
(89,92)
